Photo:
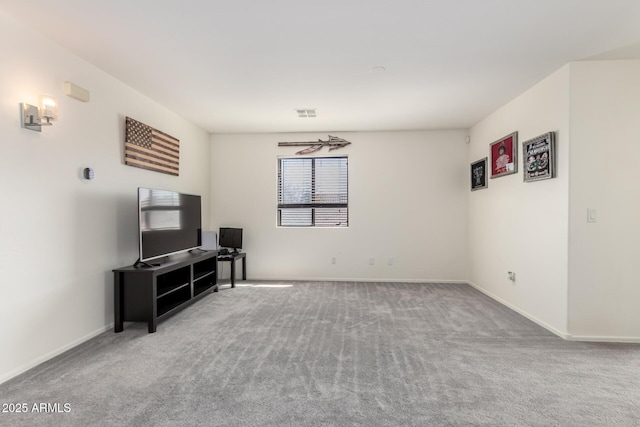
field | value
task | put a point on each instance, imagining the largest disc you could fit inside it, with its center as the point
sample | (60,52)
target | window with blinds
(313,192)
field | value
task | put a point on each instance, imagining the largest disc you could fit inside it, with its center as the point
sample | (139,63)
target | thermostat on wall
(88,173)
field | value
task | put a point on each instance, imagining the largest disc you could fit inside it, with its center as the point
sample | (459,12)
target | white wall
(61,236)
(604,296)
(407,200)
(523,227)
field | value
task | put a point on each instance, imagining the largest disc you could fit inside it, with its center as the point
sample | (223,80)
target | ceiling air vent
(306,112)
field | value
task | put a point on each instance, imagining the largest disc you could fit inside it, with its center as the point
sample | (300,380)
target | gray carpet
(325,353)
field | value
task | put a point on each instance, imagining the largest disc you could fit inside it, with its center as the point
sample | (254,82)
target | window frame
(312,205)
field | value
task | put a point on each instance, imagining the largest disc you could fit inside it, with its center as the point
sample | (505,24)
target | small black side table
(232,257)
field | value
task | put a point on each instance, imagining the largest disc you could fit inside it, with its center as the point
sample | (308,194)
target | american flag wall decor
(148,148)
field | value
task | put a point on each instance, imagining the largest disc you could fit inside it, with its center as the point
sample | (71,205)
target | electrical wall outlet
(334,260)
(511,275)
(372,261)
(390,261)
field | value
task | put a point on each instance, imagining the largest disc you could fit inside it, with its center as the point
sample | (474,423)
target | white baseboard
(596,338)
(24,368)
(350,279)
(564,335)
(518,310)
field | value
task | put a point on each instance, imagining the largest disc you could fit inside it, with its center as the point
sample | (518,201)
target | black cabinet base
(154,293)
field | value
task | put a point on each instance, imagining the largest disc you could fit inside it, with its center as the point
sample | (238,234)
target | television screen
(168,222)
(230,238)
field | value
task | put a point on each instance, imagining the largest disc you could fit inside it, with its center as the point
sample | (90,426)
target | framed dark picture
(504,156)
(479,174)
(539,157)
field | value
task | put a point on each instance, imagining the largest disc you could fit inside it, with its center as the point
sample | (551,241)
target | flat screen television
(230,238)
(168,223)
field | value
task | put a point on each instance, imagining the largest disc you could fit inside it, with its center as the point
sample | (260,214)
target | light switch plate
(592,215)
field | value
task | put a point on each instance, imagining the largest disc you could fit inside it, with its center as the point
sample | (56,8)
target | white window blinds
(313,192)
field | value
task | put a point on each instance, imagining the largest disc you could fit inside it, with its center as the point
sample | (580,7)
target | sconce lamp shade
(48,109)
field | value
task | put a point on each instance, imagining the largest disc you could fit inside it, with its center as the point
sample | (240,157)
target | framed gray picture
(539,157)
(479,174)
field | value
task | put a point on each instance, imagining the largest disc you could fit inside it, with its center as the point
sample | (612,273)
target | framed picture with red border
(504,156)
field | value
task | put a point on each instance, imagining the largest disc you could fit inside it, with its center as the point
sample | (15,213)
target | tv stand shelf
(153,293)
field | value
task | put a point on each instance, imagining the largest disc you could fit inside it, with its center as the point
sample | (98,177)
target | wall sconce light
(34,117)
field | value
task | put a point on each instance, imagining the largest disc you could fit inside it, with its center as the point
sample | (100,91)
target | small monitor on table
(230,238)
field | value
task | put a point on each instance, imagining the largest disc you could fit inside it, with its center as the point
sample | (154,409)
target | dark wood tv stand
(150,294)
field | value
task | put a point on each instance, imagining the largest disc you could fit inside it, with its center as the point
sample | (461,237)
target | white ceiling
(246,65)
